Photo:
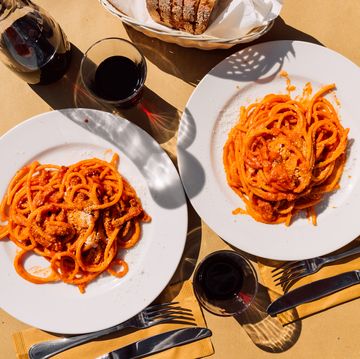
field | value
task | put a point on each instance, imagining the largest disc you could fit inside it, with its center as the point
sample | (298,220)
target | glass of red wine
(225,283)
(113,71)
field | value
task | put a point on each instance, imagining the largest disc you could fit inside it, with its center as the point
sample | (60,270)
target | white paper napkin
(235,19)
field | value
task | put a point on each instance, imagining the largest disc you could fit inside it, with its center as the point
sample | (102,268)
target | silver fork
(150,316)
(291,271)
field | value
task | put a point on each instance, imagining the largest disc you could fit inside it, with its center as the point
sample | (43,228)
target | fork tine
(160,306)
(173,315)
(282,266)
(285,277)
(285,286)
(292,277)
(177,319)
(285,266)
(166,308)
(289,270)
(163,309)
(168,313)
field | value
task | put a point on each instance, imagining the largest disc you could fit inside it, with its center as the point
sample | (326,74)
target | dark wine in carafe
(34,46)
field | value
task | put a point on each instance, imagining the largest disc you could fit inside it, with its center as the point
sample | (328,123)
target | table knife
(158,343)
(313,291)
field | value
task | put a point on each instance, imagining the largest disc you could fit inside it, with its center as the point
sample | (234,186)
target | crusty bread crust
(153,8)
(204,12)
(192,16)
(177,14)
(190,9)
(165,11)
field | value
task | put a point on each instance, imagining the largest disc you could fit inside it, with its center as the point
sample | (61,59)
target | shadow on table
(152,113)
(192,248)
(192,171)
(190,64)
(190,254)
(265,331)
(60,94)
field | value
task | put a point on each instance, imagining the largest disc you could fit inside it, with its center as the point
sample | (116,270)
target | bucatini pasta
(77,217)
(285,153)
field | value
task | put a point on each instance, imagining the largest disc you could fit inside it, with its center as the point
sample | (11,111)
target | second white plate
(212,111)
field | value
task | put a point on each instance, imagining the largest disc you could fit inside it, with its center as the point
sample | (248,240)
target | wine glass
(113,72)
(225,283)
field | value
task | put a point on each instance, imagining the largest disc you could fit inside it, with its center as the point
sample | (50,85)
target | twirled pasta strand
(76,217)
(284,154)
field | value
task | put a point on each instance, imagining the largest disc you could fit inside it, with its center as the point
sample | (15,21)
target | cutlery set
(158,343)
(287,274)
(150,316)
(284,276)
(313,291)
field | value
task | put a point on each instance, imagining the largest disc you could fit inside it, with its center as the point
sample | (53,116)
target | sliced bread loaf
(153,8)
(203,17)
(190,8)
(165,12)
(177,14)
(192,16)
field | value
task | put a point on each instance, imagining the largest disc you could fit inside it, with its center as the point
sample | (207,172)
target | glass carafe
(32,44)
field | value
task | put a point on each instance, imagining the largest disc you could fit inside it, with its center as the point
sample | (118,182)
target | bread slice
(165,12)
(160,11)
(153,8)
(192,16)
(204,12)
(190,8)
(177,14)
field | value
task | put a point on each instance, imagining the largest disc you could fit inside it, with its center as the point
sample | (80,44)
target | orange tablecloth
(173,73)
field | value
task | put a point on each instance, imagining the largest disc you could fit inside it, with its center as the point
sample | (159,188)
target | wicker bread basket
(184,39)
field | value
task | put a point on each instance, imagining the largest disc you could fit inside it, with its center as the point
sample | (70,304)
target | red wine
(220,277)
(117,78)
(36,48)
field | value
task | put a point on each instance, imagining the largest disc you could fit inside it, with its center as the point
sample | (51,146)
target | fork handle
(49,348)
(336,257)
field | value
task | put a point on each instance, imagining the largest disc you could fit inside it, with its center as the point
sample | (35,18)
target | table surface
(173,73)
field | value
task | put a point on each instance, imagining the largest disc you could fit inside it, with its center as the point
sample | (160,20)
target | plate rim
(72,326)
(184,149)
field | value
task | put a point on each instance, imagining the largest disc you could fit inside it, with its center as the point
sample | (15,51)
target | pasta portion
(284,154)
(77,217)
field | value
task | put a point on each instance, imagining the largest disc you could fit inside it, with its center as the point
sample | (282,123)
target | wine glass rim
(232,252)
(100,99)
(250,266)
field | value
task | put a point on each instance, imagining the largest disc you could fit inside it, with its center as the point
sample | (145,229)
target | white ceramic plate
(65,137)
(214,108)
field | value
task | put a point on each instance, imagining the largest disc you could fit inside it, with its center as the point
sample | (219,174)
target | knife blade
(313,291)
(158,343)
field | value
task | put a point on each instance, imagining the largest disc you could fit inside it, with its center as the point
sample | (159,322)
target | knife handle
(313,291)
(45,350)
(341,255)
(327,286)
